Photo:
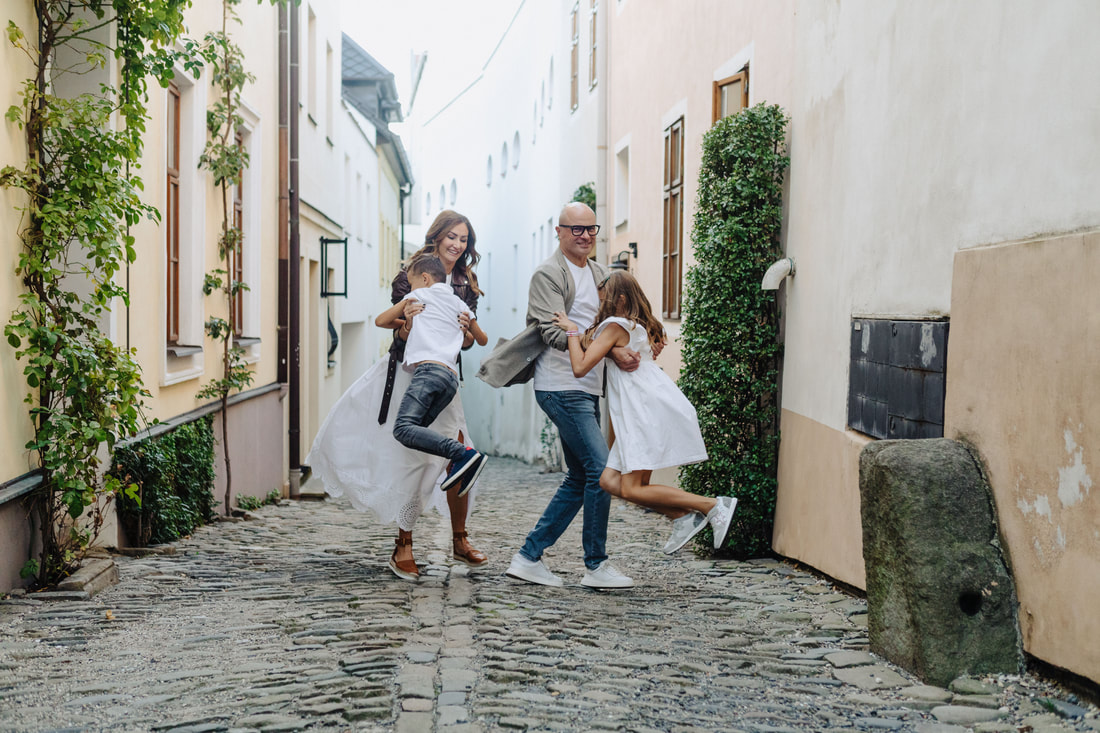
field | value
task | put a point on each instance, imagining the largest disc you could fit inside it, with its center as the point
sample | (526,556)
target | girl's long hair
(445,222)
(623,297)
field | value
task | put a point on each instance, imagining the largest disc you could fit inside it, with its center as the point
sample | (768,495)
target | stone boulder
(941,602)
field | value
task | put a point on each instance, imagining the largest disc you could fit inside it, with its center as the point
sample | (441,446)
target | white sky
(458,35)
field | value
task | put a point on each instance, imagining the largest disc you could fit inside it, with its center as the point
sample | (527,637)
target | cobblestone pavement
(292,620)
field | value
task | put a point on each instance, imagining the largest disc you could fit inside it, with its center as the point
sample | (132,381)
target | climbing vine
(731,350)
(82,196)
(226,160)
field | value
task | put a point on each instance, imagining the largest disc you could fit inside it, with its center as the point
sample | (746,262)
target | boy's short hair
(433,266)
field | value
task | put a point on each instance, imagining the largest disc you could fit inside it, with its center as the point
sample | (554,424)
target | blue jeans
(432,388)
(577,417)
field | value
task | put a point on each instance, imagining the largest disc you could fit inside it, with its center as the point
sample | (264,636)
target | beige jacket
(512,361)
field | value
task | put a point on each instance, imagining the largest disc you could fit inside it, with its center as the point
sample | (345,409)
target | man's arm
(544,298)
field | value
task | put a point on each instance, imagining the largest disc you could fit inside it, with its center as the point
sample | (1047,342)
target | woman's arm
(583,360)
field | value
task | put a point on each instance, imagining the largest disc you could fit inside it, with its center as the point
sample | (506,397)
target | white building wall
(512,207)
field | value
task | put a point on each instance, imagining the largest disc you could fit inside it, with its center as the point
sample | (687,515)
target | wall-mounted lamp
(325,242)
(622,260)
(779,271)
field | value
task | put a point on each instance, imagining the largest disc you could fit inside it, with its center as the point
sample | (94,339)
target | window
(622,185)
(454,192)
(731,95)
(489,171)
(593,4)
(515,150)
(672,246)
(503,159)
(574,57)
(330,92)
(311,66)
(428,204)
(172,217)
(442,197)
(549,87)
(237,255)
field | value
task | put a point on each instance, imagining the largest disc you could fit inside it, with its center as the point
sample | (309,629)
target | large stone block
(941,602)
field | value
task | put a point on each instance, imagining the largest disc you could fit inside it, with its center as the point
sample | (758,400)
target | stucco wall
(1023,389)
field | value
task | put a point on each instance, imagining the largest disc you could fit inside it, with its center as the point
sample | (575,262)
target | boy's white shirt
(436,334)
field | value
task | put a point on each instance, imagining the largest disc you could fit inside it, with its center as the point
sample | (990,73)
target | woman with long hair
(355,453)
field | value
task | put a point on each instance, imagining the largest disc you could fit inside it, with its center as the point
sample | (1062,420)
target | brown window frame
(238,250)
(574,58)
(172,217)
(741,77)
(593,6)
(672,239)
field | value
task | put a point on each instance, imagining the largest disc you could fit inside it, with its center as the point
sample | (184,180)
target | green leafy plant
(252,503)
(226,160)
(730,349)
(586,194)
(174,478)
(82,197)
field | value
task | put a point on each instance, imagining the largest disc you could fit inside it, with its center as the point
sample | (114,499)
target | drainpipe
(295,269)
(284,198)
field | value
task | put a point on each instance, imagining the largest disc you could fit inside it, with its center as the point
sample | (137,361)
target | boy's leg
(432,388)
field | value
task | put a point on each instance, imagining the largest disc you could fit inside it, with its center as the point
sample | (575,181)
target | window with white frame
(574,57)
(592,76)
(672,261)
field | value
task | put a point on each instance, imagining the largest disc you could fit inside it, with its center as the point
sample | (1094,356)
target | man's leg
(576,415)
(432,388)
(569,498)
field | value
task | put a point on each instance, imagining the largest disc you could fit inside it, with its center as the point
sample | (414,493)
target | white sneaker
(533,572)
(606,576)
(683,529)
(720,517)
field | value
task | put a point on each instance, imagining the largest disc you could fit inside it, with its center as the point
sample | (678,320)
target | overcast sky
(458,35)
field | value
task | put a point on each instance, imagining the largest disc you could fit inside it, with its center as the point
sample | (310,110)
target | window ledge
(245,341)
(181,350)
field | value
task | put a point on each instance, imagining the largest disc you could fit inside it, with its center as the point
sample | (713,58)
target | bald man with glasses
(568,281)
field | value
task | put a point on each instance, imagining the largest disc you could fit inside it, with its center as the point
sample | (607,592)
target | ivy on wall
(84,392)
(731,351)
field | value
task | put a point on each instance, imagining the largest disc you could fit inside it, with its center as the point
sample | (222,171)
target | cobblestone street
(292,620)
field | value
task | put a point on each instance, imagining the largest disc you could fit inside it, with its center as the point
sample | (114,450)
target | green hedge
(174,473)
(731,352)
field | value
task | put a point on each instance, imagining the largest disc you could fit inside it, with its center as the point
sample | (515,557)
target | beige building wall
(15,425)
(902,158)
(1023,390)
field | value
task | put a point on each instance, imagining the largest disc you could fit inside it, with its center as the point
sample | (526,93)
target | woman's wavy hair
(445,222)
(623,297)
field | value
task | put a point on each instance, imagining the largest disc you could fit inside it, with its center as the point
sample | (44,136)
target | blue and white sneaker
(464,471)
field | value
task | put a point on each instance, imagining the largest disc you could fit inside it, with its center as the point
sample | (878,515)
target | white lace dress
(655,425)
(356,457)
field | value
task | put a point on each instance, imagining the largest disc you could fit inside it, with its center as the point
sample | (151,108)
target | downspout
(603,123)
(294,269)
(284,198)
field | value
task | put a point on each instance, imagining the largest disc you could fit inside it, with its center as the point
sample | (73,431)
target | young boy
(432,351)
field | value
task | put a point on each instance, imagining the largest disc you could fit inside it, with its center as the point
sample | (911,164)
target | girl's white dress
(356,457)
(655,425)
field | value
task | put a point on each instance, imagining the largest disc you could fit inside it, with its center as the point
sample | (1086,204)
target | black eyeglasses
(580,229)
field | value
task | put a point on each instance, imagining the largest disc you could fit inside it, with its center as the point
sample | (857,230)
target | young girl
(655,425)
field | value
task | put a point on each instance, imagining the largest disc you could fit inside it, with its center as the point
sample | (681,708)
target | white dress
(655,425)
(354,456)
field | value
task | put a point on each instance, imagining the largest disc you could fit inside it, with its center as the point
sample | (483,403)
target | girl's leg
(635,487)
(611,481)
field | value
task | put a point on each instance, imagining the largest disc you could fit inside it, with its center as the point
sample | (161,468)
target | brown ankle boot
(404,569)
(471,557)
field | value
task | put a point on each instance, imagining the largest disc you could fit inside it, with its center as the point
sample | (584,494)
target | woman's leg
(635,488)
(459,507)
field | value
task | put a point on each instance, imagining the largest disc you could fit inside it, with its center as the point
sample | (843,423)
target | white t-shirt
(553,372)
(435,334)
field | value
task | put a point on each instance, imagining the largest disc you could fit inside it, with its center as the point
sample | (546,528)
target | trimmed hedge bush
(174,473)
(731,352)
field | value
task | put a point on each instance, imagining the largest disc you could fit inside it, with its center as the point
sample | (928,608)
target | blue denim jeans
(577,417)
(432,388)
